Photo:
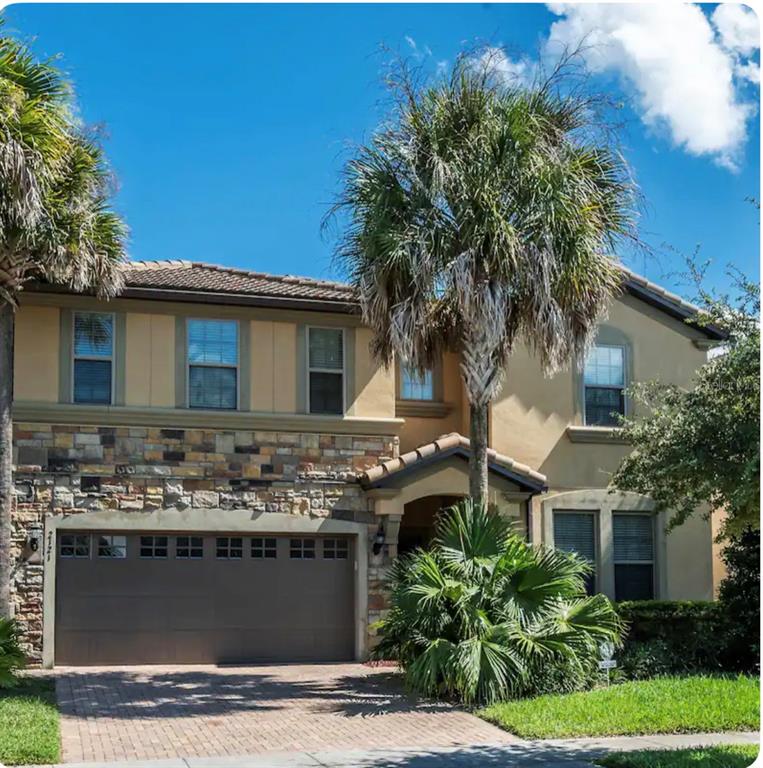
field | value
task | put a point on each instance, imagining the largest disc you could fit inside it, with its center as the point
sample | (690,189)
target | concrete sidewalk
(556,753)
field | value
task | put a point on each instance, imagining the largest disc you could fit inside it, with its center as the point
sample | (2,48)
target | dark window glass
(574,532)
(302,549)
(189,547)
(212,387)
(634,582)
(335,549)
(264,548)
(92,381)
(326,392)
(112,546)
(153,547)
(229,548)
(603,406)
(74,545)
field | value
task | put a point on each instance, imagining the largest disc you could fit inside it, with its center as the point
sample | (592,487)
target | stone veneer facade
(64,469)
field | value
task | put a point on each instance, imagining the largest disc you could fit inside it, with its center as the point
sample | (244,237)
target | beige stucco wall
(149,360)
(36,354)
(273,366)
(374,385)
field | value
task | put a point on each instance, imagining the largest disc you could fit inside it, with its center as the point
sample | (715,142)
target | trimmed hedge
(671,637)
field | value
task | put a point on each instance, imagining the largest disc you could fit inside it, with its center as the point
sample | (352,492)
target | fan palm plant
(55,222)
(481,613)
(483,214)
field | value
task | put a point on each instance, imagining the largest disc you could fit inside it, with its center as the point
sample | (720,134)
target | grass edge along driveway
(725,756)
(692,704)
(29,728)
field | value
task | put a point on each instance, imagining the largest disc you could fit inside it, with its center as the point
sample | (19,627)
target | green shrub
(11,655)
(482,615)
(670,637)
(739,600)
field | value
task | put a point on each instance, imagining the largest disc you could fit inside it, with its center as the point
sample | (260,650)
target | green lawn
(29,723)
(736,756)
(662,705)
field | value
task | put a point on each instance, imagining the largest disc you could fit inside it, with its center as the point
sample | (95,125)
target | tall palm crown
(55,222)
(483,214)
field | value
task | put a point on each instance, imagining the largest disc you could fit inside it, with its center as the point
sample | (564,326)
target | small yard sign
(607,651)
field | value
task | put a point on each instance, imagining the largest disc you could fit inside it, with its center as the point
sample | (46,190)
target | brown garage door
(157,598)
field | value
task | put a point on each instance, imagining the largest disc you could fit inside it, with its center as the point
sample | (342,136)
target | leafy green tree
(55,222)
(481,614)
(701,447)
(480,215)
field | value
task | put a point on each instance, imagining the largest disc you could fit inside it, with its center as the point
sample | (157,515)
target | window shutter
(573,532)
(326,349)
(633,538)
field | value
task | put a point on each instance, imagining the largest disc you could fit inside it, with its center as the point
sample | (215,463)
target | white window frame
(188,362)
(401,396)
(594,513)
(100,358)
(607,386)
(652,562)
(309,370)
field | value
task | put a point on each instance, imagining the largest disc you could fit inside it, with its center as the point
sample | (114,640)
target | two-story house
(213,468)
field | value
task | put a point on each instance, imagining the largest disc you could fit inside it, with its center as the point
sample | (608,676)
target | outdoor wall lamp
(379,539)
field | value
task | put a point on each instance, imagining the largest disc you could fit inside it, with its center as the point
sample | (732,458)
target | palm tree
(485,213)
(55,222)
(482,616)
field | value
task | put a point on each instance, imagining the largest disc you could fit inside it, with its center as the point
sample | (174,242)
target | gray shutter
(574,532)
(633,536)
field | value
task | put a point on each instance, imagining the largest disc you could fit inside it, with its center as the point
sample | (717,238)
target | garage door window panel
(74,545)
(113,547)
(264,548)
(153,547)
(213,364)
(302,549)
(335,549)
(633,556)
(229,548)
(189,547)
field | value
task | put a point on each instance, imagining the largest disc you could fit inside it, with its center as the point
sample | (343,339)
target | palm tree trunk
(7,318)
(478,459)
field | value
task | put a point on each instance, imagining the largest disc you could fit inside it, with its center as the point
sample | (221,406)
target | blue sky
(227,124)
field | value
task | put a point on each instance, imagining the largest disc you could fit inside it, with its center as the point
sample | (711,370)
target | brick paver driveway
(161,712)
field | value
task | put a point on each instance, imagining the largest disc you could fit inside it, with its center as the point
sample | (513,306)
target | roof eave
(676,311)
(212,297)
(527,484)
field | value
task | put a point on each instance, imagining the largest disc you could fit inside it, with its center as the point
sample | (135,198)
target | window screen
(574,532)
(93,357)
(416,386)
(634,556)
(213,364)
(604,381)
(326,370)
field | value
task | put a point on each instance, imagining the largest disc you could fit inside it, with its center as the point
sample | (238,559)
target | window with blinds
(575,532)
(93,349)
(416,386)
(213,364)
(325,366)
(633,549)
(604,381)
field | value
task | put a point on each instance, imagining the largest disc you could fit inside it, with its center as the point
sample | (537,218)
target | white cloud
(669,53)
(738,28)
(508,70)
(749,71)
